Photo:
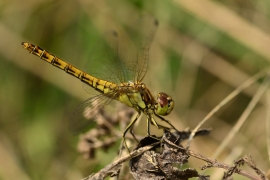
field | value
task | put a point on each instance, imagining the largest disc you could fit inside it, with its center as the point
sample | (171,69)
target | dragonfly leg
(148,127)
(153,121)
(168,122)
(130,128)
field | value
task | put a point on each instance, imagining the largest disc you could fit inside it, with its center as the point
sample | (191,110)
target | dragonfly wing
(123,54)
(105,62)
(87,112)
(141,31)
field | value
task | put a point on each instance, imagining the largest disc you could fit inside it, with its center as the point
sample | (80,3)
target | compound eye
(164,104)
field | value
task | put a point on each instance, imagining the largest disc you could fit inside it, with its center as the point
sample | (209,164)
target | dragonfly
(117,74)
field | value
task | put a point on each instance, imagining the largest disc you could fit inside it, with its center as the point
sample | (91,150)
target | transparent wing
(123,55)
(87,112)
(141,32)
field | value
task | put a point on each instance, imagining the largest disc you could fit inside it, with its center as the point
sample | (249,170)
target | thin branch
(215,163)
(111,167)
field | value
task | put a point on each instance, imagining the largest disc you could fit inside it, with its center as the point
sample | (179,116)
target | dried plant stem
(151,163)
(215,163)
(242,119)
(110,168)
(228,98)
(268,123)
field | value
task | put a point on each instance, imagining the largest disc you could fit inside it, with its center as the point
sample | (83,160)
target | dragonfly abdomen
(98,84)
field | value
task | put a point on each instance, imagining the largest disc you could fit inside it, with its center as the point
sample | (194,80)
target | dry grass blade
(267,121)
(243,117)
(246,84)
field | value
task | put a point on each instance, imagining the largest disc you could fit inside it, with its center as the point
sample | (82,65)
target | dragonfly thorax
(138,96)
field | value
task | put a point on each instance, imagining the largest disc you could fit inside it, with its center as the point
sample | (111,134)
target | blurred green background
(201,52)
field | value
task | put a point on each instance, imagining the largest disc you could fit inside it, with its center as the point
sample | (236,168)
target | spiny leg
(155,123)
(129,127)
(148,127)
(168,122)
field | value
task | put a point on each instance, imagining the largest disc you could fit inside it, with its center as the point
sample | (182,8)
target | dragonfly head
(164,104)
